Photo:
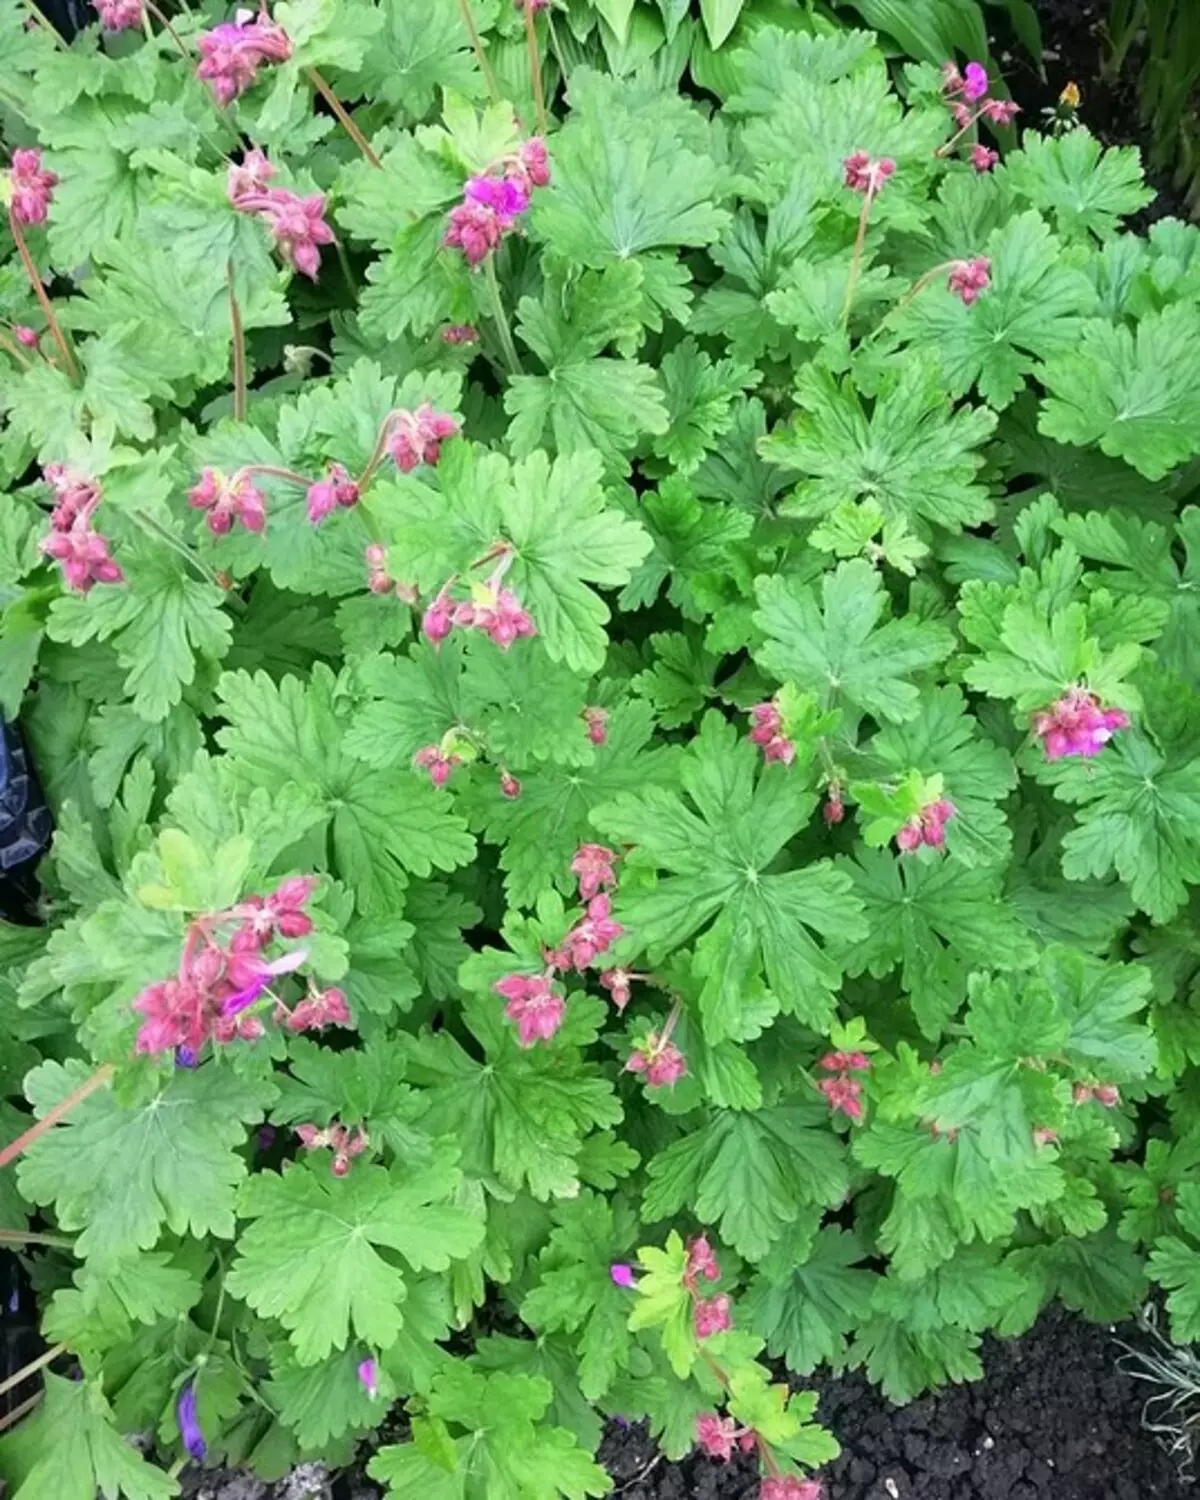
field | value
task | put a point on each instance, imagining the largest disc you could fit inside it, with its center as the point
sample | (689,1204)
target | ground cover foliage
(613,641)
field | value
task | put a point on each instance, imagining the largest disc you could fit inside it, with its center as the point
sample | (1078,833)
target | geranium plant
(611,632)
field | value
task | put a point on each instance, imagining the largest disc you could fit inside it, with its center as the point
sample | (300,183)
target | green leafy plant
(609,624)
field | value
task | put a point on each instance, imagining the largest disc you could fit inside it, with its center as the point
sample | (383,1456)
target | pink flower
(75,494)
(252,977)
(834,809)
(119,15)
(505,620)
(506,197)
(346,1144)
(1107,1094)
(368,1378)
(952,79)
(325,495)
(232,53)
(31,186)
(416,437)
(1044,1136)
(844,1095)
(433,759)
(379,581)
(533,1005)
(661,1062)
(767,731)
(83,555)
(962,116)
(701,1263)
(1000,111)
(846,1062)
(716,1435)
(596,720)
(475,230)
(975,82)
(865,174)
(228,501)
(299,227)
(593,863)
(1076,724)
(712,1316)
(249,177)
(438,620)
(535,161)
(460,333)
(928,827)
(318,1009)
(28,337)
(969,278)
(983,158)
(592,936)
(510,787)
(616,982)
(786,1487)
(622,1275)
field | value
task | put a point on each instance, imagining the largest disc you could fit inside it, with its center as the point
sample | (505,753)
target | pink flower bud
(460,333)
(1108,1094)
(834,809)
(510,787)
(31,186)
(596,720)
(983,158)
(969,278)
(716,1435)
(416,437)
(701,1263)
(536,161)
(622,1275)
(1076,724)
(844,1096)
(1001,111)
(712,1316)
(119,15)
(26,336)
(593,863)
(787,1487)
(536,1008)
(866,174)
(368,1378)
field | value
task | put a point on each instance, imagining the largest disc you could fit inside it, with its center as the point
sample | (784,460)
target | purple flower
(507,199)
(185,1057)
(189,1423)
(622,1274)
(368,1374)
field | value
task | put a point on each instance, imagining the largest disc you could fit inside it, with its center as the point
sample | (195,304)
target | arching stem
(168,28)
(342,116)
(32,1368)
(239,351)
(481,57)
(99,1079)
(501,318)
(39,291)
(535,67)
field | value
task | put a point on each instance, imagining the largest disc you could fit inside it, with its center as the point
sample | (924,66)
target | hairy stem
(535,67)
(169,29)
(31,1368)
(99,1079)
(481,57)
(856,259)
(501,318)
(343,118)
(184,551)
(27,1237)
(949,145)
(39,291)
(239,351)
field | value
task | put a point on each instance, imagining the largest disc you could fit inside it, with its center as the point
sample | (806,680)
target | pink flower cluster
(492,203)
(658,1059)
(416,437)
(380,581)
(842,1092)
(928,827)
(966,95)
(223,972)
(438,761)
(533,1001)
(968,279)
(81,552)
(718,1436)
(1077,724)
(709,1314)
(297,224)
(1107,1094)
(788,1487)
(344,1141)
(617,982)
(867,174)
(767,731)
(460,333)
(596,721)
(325,495)
(833,809)
(228,500)
(30,338)
(492,609)
(232,53)
(31,187)
(119,15)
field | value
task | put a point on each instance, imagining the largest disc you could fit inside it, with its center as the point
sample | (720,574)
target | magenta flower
(983,158)
(325,495)
(844,1095)
(968,279)
(83,555)
(232,53)
(593,935)
(716,1435)
(344,1142)
(622,1275)
(1000,111)
(1076,724)
(711,1316)
(616,982)
(505,620)
(661,1062)
(506,197)
(475,230)
(438,620)
(927,828)
(28,337)
(299,227)
(974,82)
(767,731)
(318,1009)
(31,186)
(253,977)
(416,437)
(533,1005)
(701,1263)
(249,177)
(787,1487)
(866,174)
(119,15)
(535,162)
(596,720)
(189,1423)
(833,809)
(846,1062)
(368,1375)
(433,758)
(228,501)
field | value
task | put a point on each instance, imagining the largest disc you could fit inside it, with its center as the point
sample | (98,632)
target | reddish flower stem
(168,28)
(39,291)
(343,118)
(239,352)
(864,219)
(958,135)
(61,1110)
(535,67)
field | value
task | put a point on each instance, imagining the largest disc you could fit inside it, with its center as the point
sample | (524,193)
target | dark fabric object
(24,817)
(67,16)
